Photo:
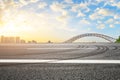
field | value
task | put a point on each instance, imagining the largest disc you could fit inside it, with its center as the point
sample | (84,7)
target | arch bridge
(108,38)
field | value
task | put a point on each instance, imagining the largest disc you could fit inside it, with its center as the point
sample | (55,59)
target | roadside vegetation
(118,40)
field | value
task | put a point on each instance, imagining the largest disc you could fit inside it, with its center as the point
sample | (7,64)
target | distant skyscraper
(22,41)
(2,39)
(14,40)
(5,40)
(17,39)
(11,40)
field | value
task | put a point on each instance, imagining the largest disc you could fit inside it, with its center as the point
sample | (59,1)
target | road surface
(58,61)
(61,51)
(55,71)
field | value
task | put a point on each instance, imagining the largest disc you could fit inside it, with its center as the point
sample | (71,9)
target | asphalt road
(57,70)
(60,71)
(61,51)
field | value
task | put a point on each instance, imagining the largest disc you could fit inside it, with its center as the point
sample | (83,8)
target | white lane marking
(57,48)
(23,61)
(59,61)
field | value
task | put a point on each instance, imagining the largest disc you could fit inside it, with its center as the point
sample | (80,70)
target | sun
(14,25)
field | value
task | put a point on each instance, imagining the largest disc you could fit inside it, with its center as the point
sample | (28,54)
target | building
(14,40)
(11,40)
(2,39)
(17,40)
(22,41)
(33,41)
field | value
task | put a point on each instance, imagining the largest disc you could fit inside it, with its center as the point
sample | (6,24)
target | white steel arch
(108,38)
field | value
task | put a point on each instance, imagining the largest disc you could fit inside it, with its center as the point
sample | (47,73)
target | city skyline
(14,39)
(59,20)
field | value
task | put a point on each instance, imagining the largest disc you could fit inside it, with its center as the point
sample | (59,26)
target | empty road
(55,55)
(61,51)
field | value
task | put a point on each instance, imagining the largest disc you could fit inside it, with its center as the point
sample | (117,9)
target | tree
(118,40)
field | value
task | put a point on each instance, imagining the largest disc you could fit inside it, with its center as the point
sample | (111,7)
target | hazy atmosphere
(59,39)
(59,20)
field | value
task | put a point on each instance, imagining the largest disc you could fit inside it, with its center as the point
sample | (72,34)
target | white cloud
(117,22)
(117,4)
(105,12)
(60,22)
(95,16)
(95,2)
(99,22)
(109,21)
(58,7)
(75,8)
(117,16)
(24,2)
(112,26)
(101,26)
(100,13)
(80,14)
(84,22)
(6,6)
(42,5)
(68,1)
(2,5)
(112,21)
(63,19)
(82,6)
(34,1)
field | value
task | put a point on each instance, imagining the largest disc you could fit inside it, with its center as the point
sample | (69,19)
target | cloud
(54,21)
(116,16)
(85,22)
(44,19)
(109,21)
(105,12)
(42,5)
(62,19)
(101,26)
(58,7)
(5,7)
(117,22)
(112,21)
(75,8)
(99,22)
(80,7)
(111,26)
(80,14)
(24,2)
(100,13)
(34,1)
(68,1)
(95,2)
(114,3)
(95,16)
(6,4)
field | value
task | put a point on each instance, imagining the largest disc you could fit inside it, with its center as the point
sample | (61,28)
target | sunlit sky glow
(58,20)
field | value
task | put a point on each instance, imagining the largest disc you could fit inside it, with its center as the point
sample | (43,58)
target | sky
(59,20)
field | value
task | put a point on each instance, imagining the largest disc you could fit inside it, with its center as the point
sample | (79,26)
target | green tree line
(118,40)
